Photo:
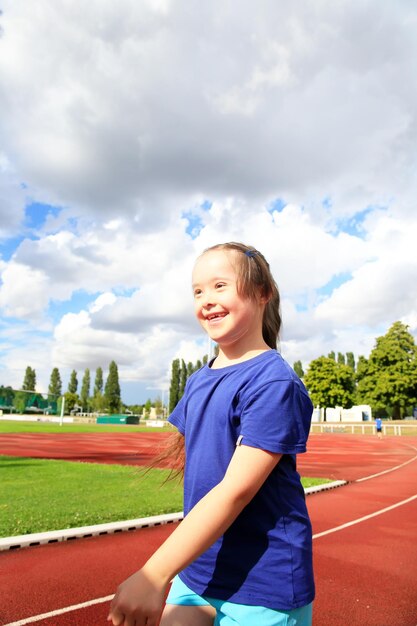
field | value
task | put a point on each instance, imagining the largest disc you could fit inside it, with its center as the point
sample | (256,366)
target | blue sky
(290,132)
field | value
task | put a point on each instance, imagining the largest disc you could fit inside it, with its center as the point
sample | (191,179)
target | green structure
(19,401)
(118,418)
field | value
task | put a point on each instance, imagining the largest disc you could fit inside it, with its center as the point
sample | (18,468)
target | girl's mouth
(215,317)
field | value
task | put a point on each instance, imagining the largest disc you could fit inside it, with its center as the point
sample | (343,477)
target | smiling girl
(243,553)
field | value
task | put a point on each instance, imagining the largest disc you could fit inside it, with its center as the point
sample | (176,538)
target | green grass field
(10,426)
(39,494)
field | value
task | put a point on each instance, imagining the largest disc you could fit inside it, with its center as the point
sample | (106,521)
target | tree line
(103,397)
(180,372)
(387,380)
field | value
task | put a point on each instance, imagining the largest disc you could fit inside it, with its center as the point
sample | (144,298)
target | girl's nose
(208,300)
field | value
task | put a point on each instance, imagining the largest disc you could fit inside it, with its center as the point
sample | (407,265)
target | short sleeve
(276,417)
(177,417)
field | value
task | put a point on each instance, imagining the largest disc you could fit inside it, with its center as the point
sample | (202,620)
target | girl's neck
(228,357)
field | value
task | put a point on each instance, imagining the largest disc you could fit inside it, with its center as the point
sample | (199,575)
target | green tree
(19,401)
(98,403)
(329,383)
(350,360)
(147,407)
(388,379)
(55,383)
(7,396)
(71,399)
(298,369)
(98,382)
(29,382)
(85,390)
(183,378)
(174,388)
(341,359)
(332,355)
(112,389)
(73,382)
(158,407)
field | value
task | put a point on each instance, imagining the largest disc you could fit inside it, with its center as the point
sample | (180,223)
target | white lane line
(392,469)
(67,609)
(363,519)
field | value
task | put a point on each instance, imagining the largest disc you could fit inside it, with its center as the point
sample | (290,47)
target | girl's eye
(220,285)
(197,292)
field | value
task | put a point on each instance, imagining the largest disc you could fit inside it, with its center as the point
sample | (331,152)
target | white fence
(366,428)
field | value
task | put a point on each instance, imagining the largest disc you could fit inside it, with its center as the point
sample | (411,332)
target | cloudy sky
(133,134)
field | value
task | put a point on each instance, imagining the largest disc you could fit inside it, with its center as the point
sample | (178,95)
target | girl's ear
(264,297)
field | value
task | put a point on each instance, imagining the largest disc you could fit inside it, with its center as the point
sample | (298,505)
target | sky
(135,134)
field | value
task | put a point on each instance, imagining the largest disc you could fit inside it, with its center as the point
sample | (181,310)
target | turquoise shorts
(230,614)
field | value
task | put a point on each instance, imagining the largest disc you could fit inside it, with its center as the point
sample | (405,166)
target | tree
(350,360)
(20,401)
(147,407)
(298,369)
(112,389)
(388,379)
(71,399)
(332,355)
(85,390)
(159,409)
(98,403)
(330,383)
(174,388)
(29,382)
(7,395)
(98,383)
(341,358)
(73,383)
(183,378)
(55,383)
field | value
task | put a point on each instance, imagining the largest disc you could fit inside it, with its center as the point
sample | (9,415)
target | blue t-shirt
(265,556)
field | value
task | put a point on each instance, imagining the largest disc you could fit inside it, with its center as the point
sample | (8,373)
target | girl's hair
(254,280)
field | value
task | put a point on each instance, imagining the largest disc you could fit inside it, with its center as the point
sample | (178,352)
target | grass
(10,426)
(39,495)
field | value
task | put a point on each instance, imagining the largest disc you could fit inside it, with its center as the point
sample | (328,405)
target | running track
(365,536)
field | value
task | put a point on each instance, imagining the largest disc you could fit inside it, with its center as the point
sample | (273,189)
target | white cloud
(381,290)
(12,198)
(24,292)
(132,116)
(141,113)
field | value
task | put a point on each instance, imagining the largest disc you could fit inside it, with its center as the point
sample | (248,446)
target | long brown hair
(254,280)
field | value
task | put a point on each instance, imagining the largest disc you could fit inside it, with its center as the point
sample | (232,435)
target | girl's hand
(139,601)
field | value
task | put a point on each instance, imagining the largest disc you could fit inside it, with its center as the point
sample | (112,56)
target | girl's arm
(141,596)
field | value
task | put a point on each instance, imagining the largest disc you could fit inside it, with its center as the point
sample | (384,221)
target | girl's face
(229,319)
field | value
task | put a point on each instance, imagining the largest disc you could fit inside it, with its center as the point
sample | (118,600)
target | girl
(243,554)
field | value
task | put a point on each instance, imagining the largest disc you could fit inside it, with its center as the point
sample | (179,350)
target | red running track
(366,573)
(331,460)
